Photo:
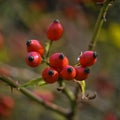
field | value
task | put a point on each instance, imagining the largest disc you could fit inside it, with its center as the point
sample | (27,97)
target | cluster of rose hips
(35,48)
(59,67)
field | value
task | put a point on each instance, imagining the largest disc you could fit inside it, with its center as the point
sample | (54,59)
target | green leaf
(83,86)
(47,46)
(36,82)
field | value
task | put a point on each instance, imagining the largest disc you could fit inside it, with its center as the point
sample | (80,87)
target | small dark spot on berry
(95,54)
(86,70)
(61,56)
(56,21)
(28,42)
(50,72)
(30,58)
(69,70)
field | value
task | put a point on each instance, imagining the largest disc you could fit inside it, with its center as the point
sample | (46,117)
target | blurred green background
(21,20)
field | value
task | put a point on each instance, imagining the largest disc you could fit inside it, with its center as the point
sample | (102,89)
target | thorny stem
(69,94)
(29,94)
(62,87)
(74,104)
(100,20)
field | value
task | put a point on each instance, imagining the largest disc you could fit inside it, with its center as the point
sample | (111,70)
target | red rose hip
(81,73)
(33,59)
(55,30)
(50,75)
(58,61)
(35,45)
(68,73)
(88,58)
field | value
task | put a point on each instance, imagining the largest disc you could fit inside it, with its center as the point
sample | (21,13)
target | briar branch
(100,20)
(32,96)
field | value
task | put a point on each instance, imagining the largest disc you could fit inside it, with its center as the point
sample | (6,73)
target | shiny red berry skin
(55,30)
(58,61)
(33,59)
(88,58)
(35,45)
(50,75)
(68,73)
(81,73)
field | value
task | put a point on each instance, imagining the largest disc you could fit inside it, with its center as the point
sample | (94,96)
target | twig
(71,97)
(29,94)
(63,88)
(100,20)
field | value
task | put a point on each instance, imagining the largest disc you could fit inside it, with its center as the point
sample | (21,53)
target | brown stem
(28,93)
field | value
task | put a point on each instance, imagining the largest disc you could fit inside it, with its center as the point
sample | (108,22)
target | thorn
(17,84)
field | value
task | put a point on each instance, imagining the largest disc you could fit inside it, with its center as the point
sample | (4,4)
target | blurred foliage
(21,20)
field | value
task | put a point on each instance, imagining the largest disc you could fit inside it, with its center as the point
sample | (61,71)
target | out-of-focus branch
(19,73)
(100,20)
